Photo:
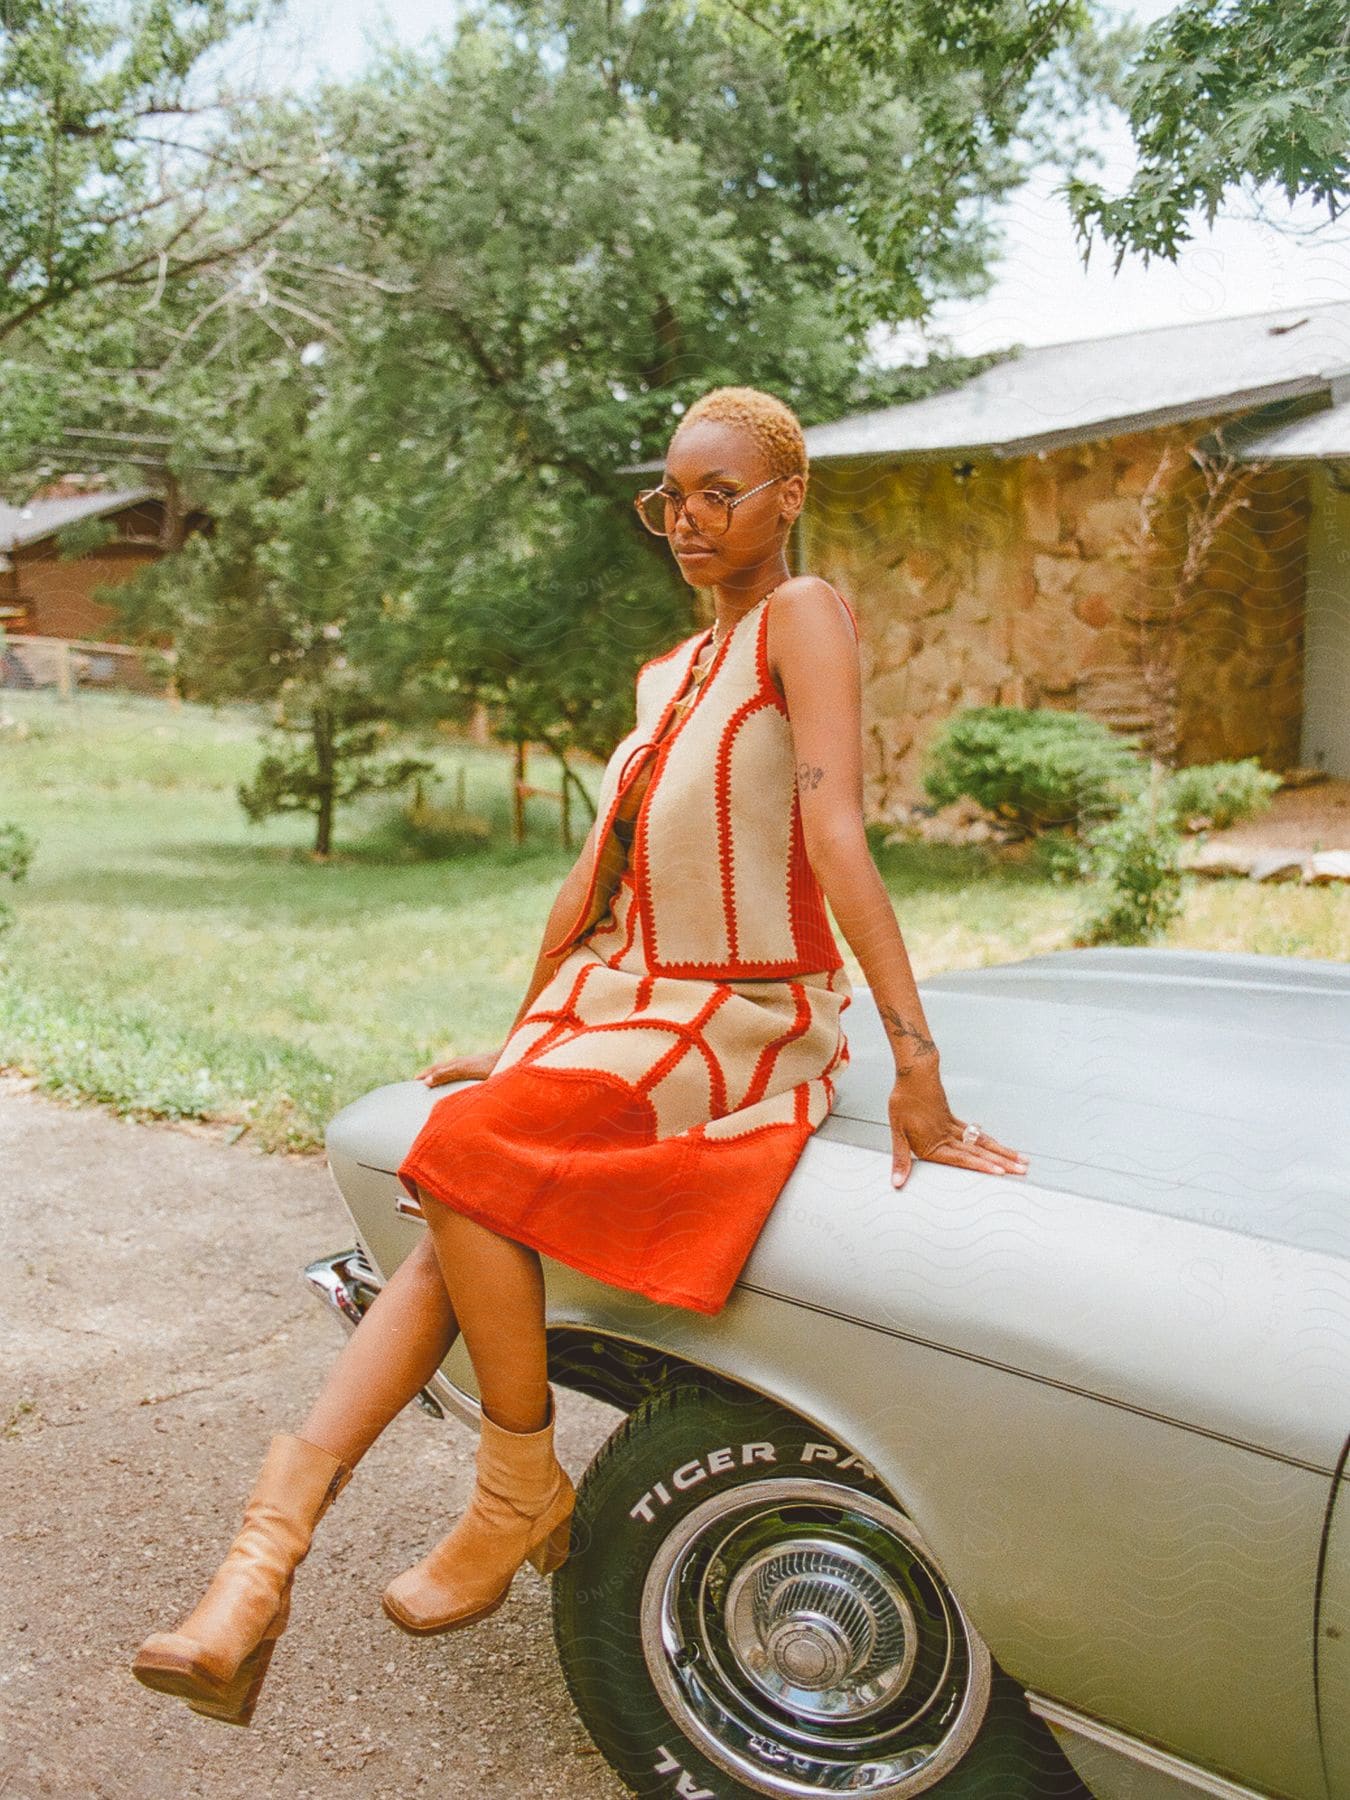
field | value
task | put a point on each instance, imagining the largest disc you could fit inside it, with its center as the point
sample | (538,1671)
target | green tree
(535,248)
(1217,93)
(1224,92)
(269,604)
(973,92)
(125,168)
(336,736)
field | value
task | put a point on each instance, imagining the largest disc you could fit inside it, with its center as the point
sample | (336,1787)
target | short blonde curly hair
(770,421)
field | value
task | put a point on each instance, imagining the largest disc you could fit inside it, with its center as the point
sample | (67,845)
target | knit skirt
(639,1127)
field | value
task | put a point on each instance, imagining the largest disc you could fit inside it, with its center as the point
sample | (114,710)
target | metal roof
(40,518)
(1059,394)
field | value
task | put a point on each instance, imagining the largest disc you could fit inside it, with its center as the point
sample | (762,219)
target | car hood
(1200,1085)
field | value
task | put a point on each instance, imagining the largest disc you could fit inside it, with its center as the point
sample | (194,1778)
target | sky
(1261,256)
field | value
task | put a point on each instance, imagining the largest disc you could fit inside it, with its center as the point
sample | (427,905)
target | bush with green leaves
(1223,792)
(1135,859)
(1036,768)
(16,854)
(1060,856)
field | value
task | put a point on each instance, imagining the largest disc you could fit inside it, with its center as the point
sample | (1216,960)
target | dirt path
(155,1333)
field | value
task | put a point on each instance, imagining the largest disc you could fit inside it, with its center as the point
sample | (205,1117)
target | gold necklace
(701,669)
(698,673)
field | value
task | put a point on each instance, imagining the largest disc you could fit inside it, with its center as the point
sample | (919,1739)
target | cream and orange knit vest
(722,878)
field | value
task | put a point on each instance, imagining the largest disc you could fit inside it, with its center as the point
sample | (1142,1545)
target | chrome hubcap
(821,1629)
(801,1634)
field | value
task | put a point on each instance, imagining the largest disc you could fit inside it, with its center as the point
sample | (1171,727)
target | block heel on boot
(237,1703)
(520,1510)
(551,1552)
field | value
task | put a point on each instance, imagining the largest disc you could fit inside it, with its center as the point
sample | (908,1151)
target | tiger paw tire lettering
(747,1611)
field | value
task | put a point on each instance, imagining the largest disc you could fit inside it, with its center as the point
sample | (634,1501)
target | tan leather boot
(521,1507)
(218,1656)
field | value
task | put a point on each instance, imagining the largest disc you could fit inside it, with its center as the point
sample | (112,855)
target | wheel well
(616,1370)
(623,1373)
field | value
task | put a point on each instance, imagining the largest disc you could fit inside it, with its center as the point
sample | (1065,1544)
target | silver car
(982,1486)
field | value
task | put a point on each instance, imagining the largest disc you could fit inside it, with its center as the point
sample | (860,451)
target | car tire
(745,1610)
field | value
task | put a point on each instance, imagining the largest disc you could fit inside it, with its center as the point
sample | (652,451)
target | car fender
(1132,1525)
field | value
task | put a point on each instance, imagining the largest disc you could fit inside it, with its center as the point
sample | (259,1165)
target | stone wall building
(1051,580)
(1107,526)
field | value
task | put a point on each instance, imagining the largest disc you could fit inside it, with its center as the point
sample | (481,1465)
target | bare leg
(218,1656)
(405,1335)
(496,1287)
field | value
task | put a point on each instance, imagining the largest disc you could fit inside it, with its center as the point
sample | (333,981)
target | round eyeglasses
(709,511)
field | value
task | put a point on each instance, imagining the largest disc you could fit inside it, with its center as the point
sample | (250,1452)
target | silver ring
(969,1135)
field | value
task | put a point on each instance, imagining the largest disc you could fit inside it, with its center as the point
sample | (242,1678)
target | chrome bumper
(347,1284)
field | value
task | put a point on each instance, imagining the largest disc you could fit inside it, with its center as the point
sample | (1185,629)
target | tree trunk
(326,765)
(573,784)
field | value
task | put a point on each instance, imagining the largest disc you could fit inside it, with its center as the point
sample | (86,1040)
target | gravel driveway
(155,1334)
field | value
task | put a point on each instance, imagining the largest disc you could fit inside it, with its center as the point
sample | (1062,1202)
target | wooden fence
(65,664)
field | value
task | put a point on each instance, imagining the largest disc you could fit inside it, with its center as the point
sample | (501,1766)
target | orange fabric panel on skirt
(570,1164)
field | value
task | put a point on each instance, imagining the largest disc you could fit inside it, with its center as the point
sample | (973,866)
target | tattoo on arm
(898,1029)
(809,775)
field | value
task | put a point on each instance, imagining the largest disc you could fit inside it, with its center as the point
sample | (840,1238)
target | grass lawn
(172,960)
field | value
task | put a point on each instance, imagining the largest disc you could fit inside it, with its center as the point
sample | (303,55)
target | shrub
(16,853)
(1038,768)
(1060,856)
(423,831)
(1221,793)
(1135,859)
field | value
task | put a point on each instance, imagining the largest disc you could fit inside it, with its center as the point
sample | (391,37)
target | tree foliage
(127,171)
(976,89)
(114,169)
(407,407)
(1218,93)
(1224,92)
